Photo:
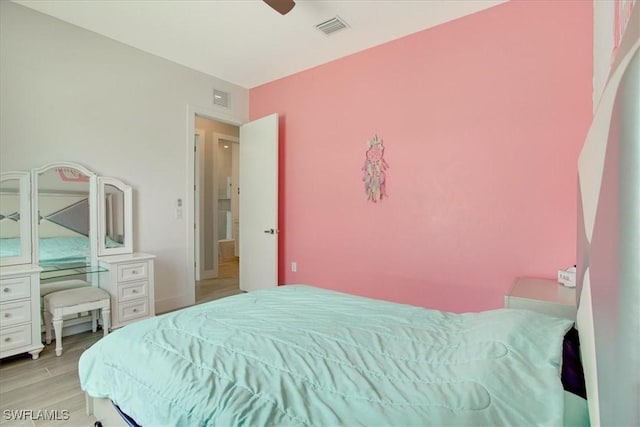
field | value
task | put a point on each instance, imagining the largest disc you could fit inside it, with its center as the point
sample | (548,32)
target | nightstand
(542,295)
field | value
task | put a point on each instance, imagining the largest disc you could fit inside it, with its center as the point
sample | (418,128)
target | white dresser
(20,310)
(544,296)
(131,285)
(102,209)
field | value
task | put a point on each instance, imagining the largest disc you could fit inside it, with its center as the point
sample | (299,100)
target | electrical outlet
(294,266)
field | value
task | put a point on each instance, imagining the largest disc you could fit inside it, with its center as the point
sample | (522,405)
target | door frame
(198,166)
(217,137)
(189,205)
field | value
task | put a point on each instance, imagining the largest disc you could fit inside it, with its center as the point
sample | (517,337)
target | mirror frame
(127,246)
(28,209)
(24,188)
(34,205)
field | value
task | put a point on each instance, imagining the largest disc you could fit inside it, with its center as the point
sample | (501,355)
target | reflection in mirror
(63,216)
(115,199)
(15,240)
(10,218)
(114,216)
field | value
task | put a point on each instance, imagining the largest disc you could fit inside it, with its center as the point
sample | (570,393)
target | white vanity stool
(73,301)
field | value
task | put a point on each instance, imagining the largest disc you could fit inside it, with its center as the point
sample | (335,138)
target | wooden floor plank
(226,284)
(51,383)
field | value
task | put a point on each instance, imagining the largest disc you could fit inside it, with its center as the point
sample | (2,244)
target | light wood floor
(51,383)
(226,284)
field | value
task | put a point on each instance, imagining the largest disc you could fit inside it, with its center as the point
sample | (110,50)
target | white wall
(70,94)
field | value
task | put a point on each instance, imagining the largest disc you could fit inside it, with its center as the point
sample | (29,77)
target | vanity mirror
(114,217)
(15,214)
(63,225)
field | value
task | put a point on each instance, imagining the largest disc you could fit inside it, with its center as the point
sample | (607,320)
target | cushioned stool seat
(73,301)
(47,288)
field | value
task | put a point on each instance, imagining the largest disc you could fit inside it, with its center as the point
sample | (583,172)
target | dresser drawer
(133,310)
(133,271)
(13,313)
(131,291)
(15,288)
(15,337)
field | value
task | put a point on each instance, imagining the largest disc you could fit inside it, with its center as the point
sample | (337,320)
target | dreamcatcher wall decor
(373,170)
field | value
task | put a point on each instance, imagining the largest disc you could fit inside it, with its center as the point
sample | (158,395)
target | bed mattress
(299,355)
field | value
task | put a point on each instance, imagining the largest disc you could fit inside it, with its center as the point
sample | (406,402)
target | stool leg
(94,320)
(57,326)
(106,321)
(47,325)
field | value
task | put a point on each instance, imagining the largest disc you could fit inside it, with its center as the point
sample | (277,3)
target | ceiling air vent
(332,25)
(221,98)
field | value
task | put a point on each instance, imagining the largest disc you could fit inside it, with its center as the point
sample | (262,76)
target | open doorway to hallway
(216,228)
(226,284)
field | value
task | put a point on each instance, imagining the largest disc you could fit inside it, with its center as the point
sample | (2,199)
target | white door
(259,204)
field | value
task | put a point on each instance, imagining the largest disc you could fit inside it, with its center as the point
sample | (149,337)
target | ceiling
(245,41)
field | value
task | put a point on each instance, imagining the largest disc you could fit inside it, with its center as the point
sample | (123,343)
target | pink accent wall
(482,120)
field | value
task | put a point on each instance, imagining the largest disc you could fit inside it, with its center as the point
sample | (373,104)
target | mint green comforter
(298,355)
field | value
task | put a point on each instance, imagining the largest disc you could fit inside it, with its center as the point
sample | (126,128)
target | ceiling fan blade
(281,6)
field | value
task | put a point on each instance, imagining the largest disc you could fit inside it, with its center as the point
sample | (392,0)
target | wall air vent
(332,25)
(221,98)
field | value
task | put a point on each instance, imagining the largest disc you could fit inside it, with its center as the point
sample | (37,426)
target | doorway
(258,199)
(216,209)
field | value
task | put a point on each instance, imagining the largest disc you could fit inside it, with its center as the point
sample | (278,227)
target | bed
(57,250)
(53,250)
(67,250)
(64,250)
(299,355)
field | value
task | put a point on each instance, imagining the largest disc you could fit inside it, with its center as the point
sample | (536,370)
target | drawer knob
(7,315)
(7,339)
(135,291)
(135,310)
(6,290)
(134,271)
